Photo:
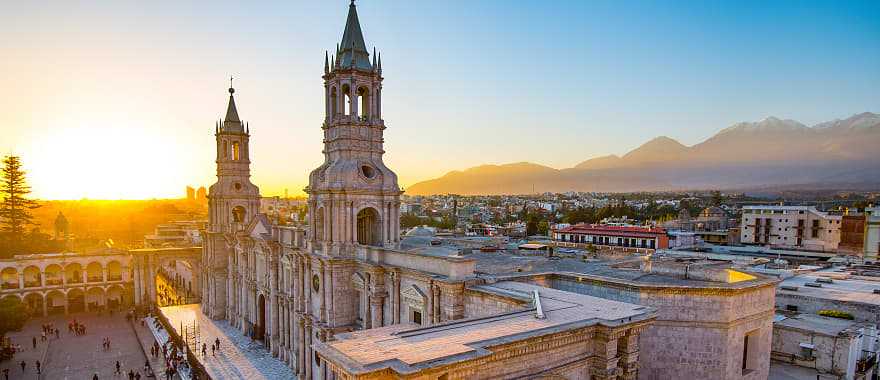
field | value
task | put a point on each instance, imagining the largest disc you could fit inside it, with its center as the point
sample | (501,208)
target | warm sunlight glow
(103,162)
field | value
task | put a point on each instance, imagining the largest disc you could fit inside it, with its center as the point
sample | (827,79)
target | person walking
(34,339)
(117,368)
(5,373)
(95,377)
(217,342)
(39,367)
(23,364)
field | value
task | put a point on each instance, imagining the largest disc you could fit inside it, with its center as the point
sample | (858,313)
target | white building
(872,233)
(791,227)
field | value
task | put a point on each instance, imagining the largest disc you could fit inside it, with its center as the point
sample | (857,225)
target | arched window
(364,94)
(346,100)
(334,103)
(369,230)
(319,224)
(236,151)
(238,214)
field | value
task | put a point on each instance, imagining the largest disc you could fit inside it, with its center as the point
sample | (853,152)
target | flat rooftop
(818,324)
(407,348)
(503,264)
(850,290)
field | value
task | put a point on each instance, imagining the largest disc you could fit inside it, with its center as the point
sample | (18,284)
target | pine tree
(15,209)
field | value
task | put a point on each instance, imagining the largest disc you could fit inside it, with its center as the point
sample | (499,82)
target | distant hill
(771,152)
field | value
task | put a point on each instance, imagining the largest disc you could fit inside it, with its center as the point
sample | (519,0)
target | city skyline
(129,95)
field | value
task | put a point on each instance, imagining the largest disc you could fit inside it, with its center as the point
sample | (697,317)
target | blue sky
(467,82)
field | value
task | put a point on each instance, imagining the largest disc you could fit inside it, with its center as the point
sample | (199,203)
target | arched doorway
(95,298)
(114,271)
(369,230)
(56,302)
(76,300)
(34,302)
(54,275)
(73,273)
(32,277)
(94,272)
(114,296)
(260,329)
(9,278)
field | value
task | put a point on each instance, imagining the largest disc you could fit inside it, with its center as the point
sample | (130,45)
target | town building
(628,238)
(176,234)
(802,227)
(872,234)
(62,283)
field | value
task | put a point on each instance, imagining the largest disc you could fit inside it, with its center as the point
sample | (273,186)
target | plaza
(72,357)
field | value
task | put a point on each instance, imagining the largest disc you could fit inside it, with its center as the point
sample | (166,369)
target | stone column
(42,278)
(323,293)
(45,306)
(628,349)
(430,305)
(395,298)
(603,363)
(301,349)
(435,293)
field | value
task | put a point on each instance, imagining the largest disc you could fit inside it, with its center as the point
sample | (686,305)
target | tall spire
(231,123)
(354,50)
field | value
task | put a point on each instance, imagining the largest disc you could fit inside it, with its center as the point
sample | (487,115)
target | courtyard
(72,357)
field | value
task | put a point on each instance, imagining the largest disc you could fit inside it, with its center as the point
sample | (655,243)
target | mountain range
(771,152)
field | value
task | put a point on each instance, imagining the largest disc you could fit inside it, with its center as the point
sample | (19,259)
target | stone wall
(481,304)
(830,355)
(699,332)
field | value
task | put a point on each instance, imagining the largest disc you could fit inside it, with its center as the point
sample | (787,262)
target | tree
(15,210)
(13,315)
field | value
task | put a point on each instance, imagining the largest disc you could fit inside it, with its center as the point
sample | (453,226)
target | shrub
(836,314)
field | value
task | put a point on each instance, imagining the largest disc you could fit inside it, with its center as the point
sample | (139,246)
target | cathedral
(348,296)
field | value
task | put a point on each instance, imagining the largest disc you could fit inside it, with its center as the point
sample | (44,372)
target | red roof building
(621,236)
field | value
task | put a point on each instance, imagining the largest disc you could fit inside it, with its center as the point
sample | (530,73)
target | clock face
(316,283)
(237,186)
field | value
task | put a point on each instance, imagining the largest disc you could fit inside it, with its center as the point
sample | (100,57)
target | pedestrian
(5,373)
(38,367)
(95,377)
(217,342)
(34,339)
(58,336)
(213,350)
(23,364)
(137,375)
(130,375)
(117,368)
(204,349)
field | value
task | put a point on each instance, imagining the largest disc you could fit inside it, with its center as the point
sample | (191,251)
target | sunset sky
(118,99)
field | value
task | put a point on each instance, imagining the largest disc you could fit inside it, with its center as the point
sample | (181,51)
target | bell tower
(232,202)
(353,197)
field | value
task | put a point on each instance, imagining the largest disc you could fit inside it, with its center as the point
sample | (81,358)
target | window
(236,151)
(749,352)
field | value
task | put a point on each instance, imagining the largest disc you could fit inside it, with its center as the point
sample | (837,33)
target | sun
(119,162)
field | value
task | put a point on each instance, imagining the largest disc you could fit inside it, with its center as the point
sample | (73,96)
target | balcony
(32,284)
(54,281)
(9,285)
(96,278)
(116,277)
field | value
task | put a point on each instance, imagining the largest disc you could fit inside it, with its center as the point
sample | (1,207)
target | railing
(32,284)
(74,280)
(95,278)
(54,281)
(9,285)
(117,277)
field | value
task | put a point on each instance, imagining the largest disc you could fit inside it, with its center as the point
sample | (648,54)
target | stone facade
(69,282)
(701,328)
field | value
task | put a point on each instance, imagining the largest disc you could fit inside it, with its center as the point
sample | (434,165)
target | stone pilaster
(604,362)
